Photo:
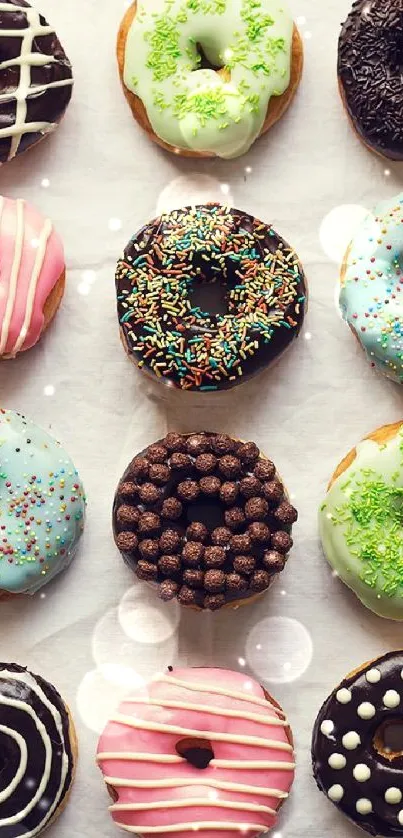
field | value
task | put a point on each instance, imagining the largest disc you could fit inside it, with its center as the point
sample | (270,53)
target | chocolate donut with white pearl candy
(353,763)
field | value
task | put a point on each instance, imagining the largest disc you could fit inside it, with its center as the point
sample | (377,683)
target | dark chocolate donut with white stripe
(354,760)
(36,78)
(37,752)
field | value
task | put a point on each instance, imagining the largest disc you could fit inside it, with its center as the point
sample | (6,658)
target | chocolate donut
(354,760)
(177,340)
(369,70)
(35,78)
(205,518)
(37,752)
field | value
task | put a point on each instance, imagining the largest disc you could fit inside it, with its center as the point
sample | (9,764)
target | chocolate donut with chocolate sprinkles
(370,74)
(206,519)
(207,296)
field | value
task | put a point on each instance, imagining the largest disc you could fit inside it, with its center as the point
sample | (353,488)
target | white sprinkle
(337,761)
(373,676)
(363,806)
(242,661)
(393,795)
(366,710)
(391,699)
(351,740)
(400,817)
(327,727)
(361,772)
(343,696)
(335,792)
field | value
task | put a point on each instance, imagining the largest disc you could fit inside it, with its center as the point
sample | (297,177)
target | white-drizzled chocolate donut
(36,752)
(352,761)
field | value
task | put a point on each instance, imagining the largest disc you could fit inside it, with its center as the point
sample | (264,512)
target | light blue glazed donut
(42,505)
(371,296)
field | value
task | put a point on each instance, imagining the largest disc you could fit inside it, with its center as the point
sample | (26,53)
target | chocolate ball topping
(205,518)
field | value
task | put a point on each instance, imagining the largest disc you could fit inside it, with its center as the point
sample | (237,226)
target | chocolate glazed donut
(370,62)
(353,762)
(36,759)
(35,78)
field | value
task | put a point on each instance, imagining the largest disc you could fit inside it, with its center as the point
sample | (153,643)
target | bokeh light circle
(279,649)
(146,619)
(338,227)
(100,692)
(188,190)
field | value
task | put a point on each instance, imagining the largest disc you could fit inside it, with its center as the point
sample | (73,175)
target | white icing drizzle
(209,709)
(231,764)
(335,792)
(351,740)
(175,782)
(373,676)
(361,772)
(366,710)
(363,806)
(26,678)
(189,802)
(337,761)
(327,728)
(393,795)
(39,260)
(15,270)
(343,696)
(25,61)
(212,688)
(7,792)
(222,826)
(391,699)
(215,736)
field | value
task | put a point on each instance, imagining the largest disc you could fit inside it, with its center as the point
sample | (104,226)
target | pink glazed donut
(204,749)
(32,275)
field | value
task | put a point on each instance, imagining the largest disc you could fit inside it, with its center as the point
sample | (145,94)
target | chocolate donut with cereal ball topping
(208,344)
(357,761)
(205,518)
(369,71)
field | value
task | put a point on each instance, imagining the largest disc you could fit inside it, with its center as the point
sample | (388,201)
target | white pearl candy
(400,817)
(393,795)
(391,699)
(337,761)
(343,696)
(327,727)
(373,676)
(361,772)
(366,710)
(351,740)
(363,806)
(335,792)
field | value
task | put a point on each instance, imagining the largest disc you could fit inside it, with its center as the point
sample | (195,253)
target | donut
(369,64)
(205,518)
(372,286)
(38,749)
(32,275)
(197,749)
(360,521)
(35,78)
(355,761)
(205,78)
(215,251)
(371,293)
(42,505)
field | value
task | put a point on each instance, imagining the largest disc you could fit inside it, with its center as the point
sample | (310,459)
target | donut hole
(204,62)
(209,513)
(388,739)
(209,296)
(198,752)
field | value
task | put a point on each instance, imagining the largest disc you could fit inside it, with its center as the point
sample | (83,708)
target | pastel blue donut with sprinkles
(371,295)
(42,505)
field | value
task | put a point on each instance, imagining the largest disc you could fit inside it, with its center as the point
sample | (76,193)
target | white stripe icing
(39,260)
(223,826)
(215,690)
(174,782)
(15,270)
(231,764)
(209,709)
(188,803)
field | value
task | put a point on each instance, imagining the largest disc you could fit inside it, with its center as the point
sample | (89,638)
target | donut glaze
(361,525)
(42,505)
(205,518)
(191,107)
(37,760)
(369,69)
(35,78)
(160,792)
(175,340)
(31,264)
(371,295)
(363,782)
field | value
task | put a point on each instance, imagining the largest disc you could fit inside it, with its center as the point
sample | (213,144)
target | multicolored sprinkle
(178,342)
